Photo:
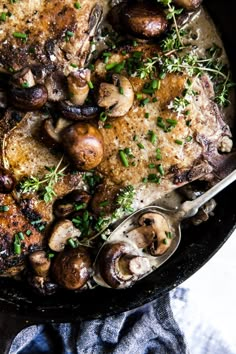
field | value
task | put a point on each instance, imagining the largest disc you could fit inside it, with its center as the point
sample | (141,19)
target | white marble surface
(211,300)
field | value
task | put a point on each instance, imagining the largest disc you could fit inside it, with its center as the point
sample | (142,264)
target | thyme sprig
(171,14)
(46,185)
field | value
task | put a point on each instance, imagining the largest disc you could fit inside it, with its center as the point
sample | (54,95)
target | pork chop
(53,34)
(167,148)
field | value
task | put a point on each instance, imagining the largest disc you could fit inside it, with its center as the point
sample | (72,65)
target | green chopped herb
(145,180)
(139,96)
(74,65)
(80,206)
(90,85)
(135,138)
(110,66)
(160,170)
(19,35)
(21,236)
(151,165)
(189,138)
(103,116)
(69,34)
(165,241)
(188,123)
(153,137)
(25,85)
(4,208)
(172,122)
(144,102)
(71,242)
(152,177)
(28,232)
(158,154)
(77,5)
(178,142)
(108,126)
(104,203)
(154,100)
(141,146)
(3,16)
(146,115)
(168,234)
(121,90)
(50,255)
(124,158)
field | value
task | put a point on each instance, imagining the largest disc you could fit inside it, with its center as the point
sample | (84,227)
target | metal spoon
(173,218)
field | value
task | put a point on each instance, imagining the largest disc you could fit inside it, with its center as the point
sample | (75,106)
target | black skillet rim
(192,254)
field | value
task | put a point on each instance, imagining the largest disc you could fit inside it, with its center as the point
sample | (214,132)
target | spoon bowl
(172,217)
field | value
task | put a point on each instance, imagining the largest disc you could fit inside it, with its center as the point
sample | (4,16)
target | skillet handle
(9,328)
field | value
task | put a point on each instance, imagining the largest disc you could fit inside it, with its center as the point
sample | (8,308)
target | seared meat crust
(186,148)
(55,33)
(12,221)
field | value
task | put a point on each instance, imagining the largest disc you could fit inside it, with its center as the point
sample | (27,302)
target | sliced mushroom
(77,113)
(41,285)
(144,19)
(56,85)
(7,181)
(116,98)
(78,86)
(84,144)
(61,233)
(40,263)
(142,236)
(188,4)
(66,205)
(162,234)
(29,98)
(50,134)
(72,268)
(23,78)
(119,265)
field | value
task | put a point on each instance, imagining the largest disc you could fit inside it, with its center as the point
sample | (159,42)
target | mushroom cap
(72,268)
(84,144)
(144,19)
(62,231)
(120,265)
(28,99)
(40,263)
(189,5)
(116,104)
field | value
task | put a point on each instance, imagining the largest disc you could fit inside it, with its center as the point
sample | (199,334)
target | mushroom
(189,5)
(23,78)
(154,233)
(104,199)
(50,134)
(7,181)
(116,98)
(41,285)
(66,205)
(84,144)
(119,265)
(77,113)
(144,19)
(56,85)
(29,98)
(78,86)
(40,263)
(62,231)
(72,268)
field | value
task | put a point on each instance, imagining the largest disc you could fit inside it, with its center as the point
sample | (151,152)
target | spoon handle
(190,208)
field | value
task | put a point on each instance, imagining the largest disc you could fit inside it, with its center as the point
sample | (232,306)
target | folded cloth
(146,330)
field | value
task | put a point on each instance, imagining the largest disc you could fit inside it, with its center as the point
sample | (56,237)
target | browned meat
(12,222)
(185,148)
(54,34)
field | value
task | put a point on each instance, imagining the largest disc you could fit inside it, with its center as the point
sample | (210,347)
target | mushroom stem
(78,86)
(116,98)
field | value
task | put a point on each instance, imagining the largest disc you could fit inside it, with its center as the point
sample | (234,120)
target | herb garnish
(45,186)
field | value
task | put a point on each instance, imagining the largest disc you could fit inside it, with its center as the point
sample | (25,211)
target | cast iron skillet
(19,307)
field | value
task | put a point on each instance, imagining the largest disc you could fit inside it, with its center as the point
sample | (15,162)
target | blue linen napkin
(146,330)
